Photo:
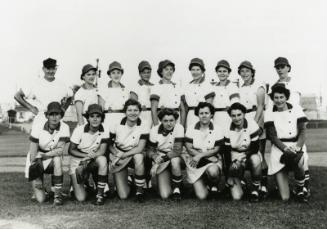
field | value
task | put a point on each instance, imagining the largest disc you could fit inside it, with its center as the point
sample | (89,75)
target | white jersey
(126,137)
(87,97)
(44,92)
(225,95)
(143,92)
(114,97)
(168,95)
(194,94)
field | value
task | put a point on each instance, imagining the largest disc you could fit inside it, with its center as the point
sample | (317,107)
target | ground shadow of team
(149,136)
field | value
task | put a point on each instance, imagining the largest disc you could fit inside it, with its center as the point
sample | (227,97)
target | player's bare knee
(176,164)
(201,195)
(213,171)
(80,197)
(102,162)
(255,160)
(237,196)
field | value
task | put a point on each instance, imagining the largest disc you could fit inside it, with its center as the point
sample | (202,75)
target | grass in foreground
(15,193)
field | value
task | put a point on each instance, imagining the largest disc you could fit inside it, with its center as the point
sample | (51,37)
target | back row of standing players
(165,94)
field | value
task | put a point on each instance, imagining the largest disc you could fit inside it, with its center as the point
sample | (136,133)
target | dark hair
(236,106)
(132,102)
(279,88)
(167,111)
(203,105)
(252,70)
(87,116)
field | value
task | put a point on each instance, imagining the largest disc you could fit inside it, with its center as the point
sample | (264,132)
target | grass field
(155,213)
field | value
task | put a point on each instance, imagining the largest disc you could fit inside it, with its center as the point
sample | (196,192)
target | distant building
(312,106)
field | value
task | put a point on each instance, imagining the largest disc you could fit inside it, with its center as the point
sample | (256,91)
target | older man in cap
(44,90)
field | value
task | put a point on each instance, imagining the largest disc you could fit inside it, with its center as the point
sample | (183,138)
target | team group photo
(199,139)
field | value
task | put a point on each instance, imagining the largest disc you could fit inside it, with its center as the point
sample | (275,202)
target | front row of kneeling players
(209,151)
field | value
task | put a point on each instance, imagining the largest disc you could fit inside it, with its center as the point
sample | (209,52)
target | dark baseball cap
(143,65)
(49,63)
(87,68)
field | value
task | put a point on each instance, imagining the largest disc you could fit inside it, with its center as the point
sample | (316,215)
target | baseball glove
(35,170)
(291,160)
(81,172)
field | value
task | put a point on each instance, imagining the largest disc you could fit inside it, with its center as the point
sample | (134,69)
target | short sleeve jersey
(286,121)
(87,97)
(126,137)
(240,140)
(197,92)
(225,95)
(143,92)
(248,94)
(44,92)
(168,95)
(204,141)
(47,140)
(164,142)
(86,141)
(115,97)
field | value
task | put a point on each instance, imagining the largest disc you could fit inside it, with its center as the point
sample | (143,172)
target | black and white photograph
(163,114)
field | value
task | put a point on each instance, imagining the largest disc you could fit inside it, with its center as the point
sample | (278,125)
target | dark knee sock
(102,180)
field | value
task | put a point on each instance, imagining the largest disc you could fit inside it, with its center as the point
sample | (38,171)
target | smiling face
(116,75)
(196,72)
(132,113)
(222,74)
(168,122)
(167,72)
(237,117)
(49,72)
(54,119)
(146,74)
(95,120)
(282,71)
(205,115)
(89,76)
(279,100)
(246,75)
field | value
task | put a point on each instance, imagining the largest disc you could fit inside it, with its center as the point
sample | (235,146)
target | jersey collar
(162,131)
(245,125)
(171,82)
(110,84)
(124,120)
(87,128)
(198,125)
(218,84)
(201,80)
(46,127)
(252,81)
(289,107)
(142,82)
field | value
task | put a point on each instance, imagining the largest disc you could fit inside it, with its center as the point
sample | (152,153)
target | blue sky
(78,32)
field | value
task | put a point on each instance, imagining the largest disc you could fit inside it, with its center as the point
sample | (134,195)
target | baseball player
(45,89)
(87,93)
(241,137)
(142,91)
(127,143)
(203,163)
(283,68)
(223,94)
(286,126)
(166,94)
(87,148)
(114,96)
(195,91)
(46,151)
(165,147)
(252,96)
